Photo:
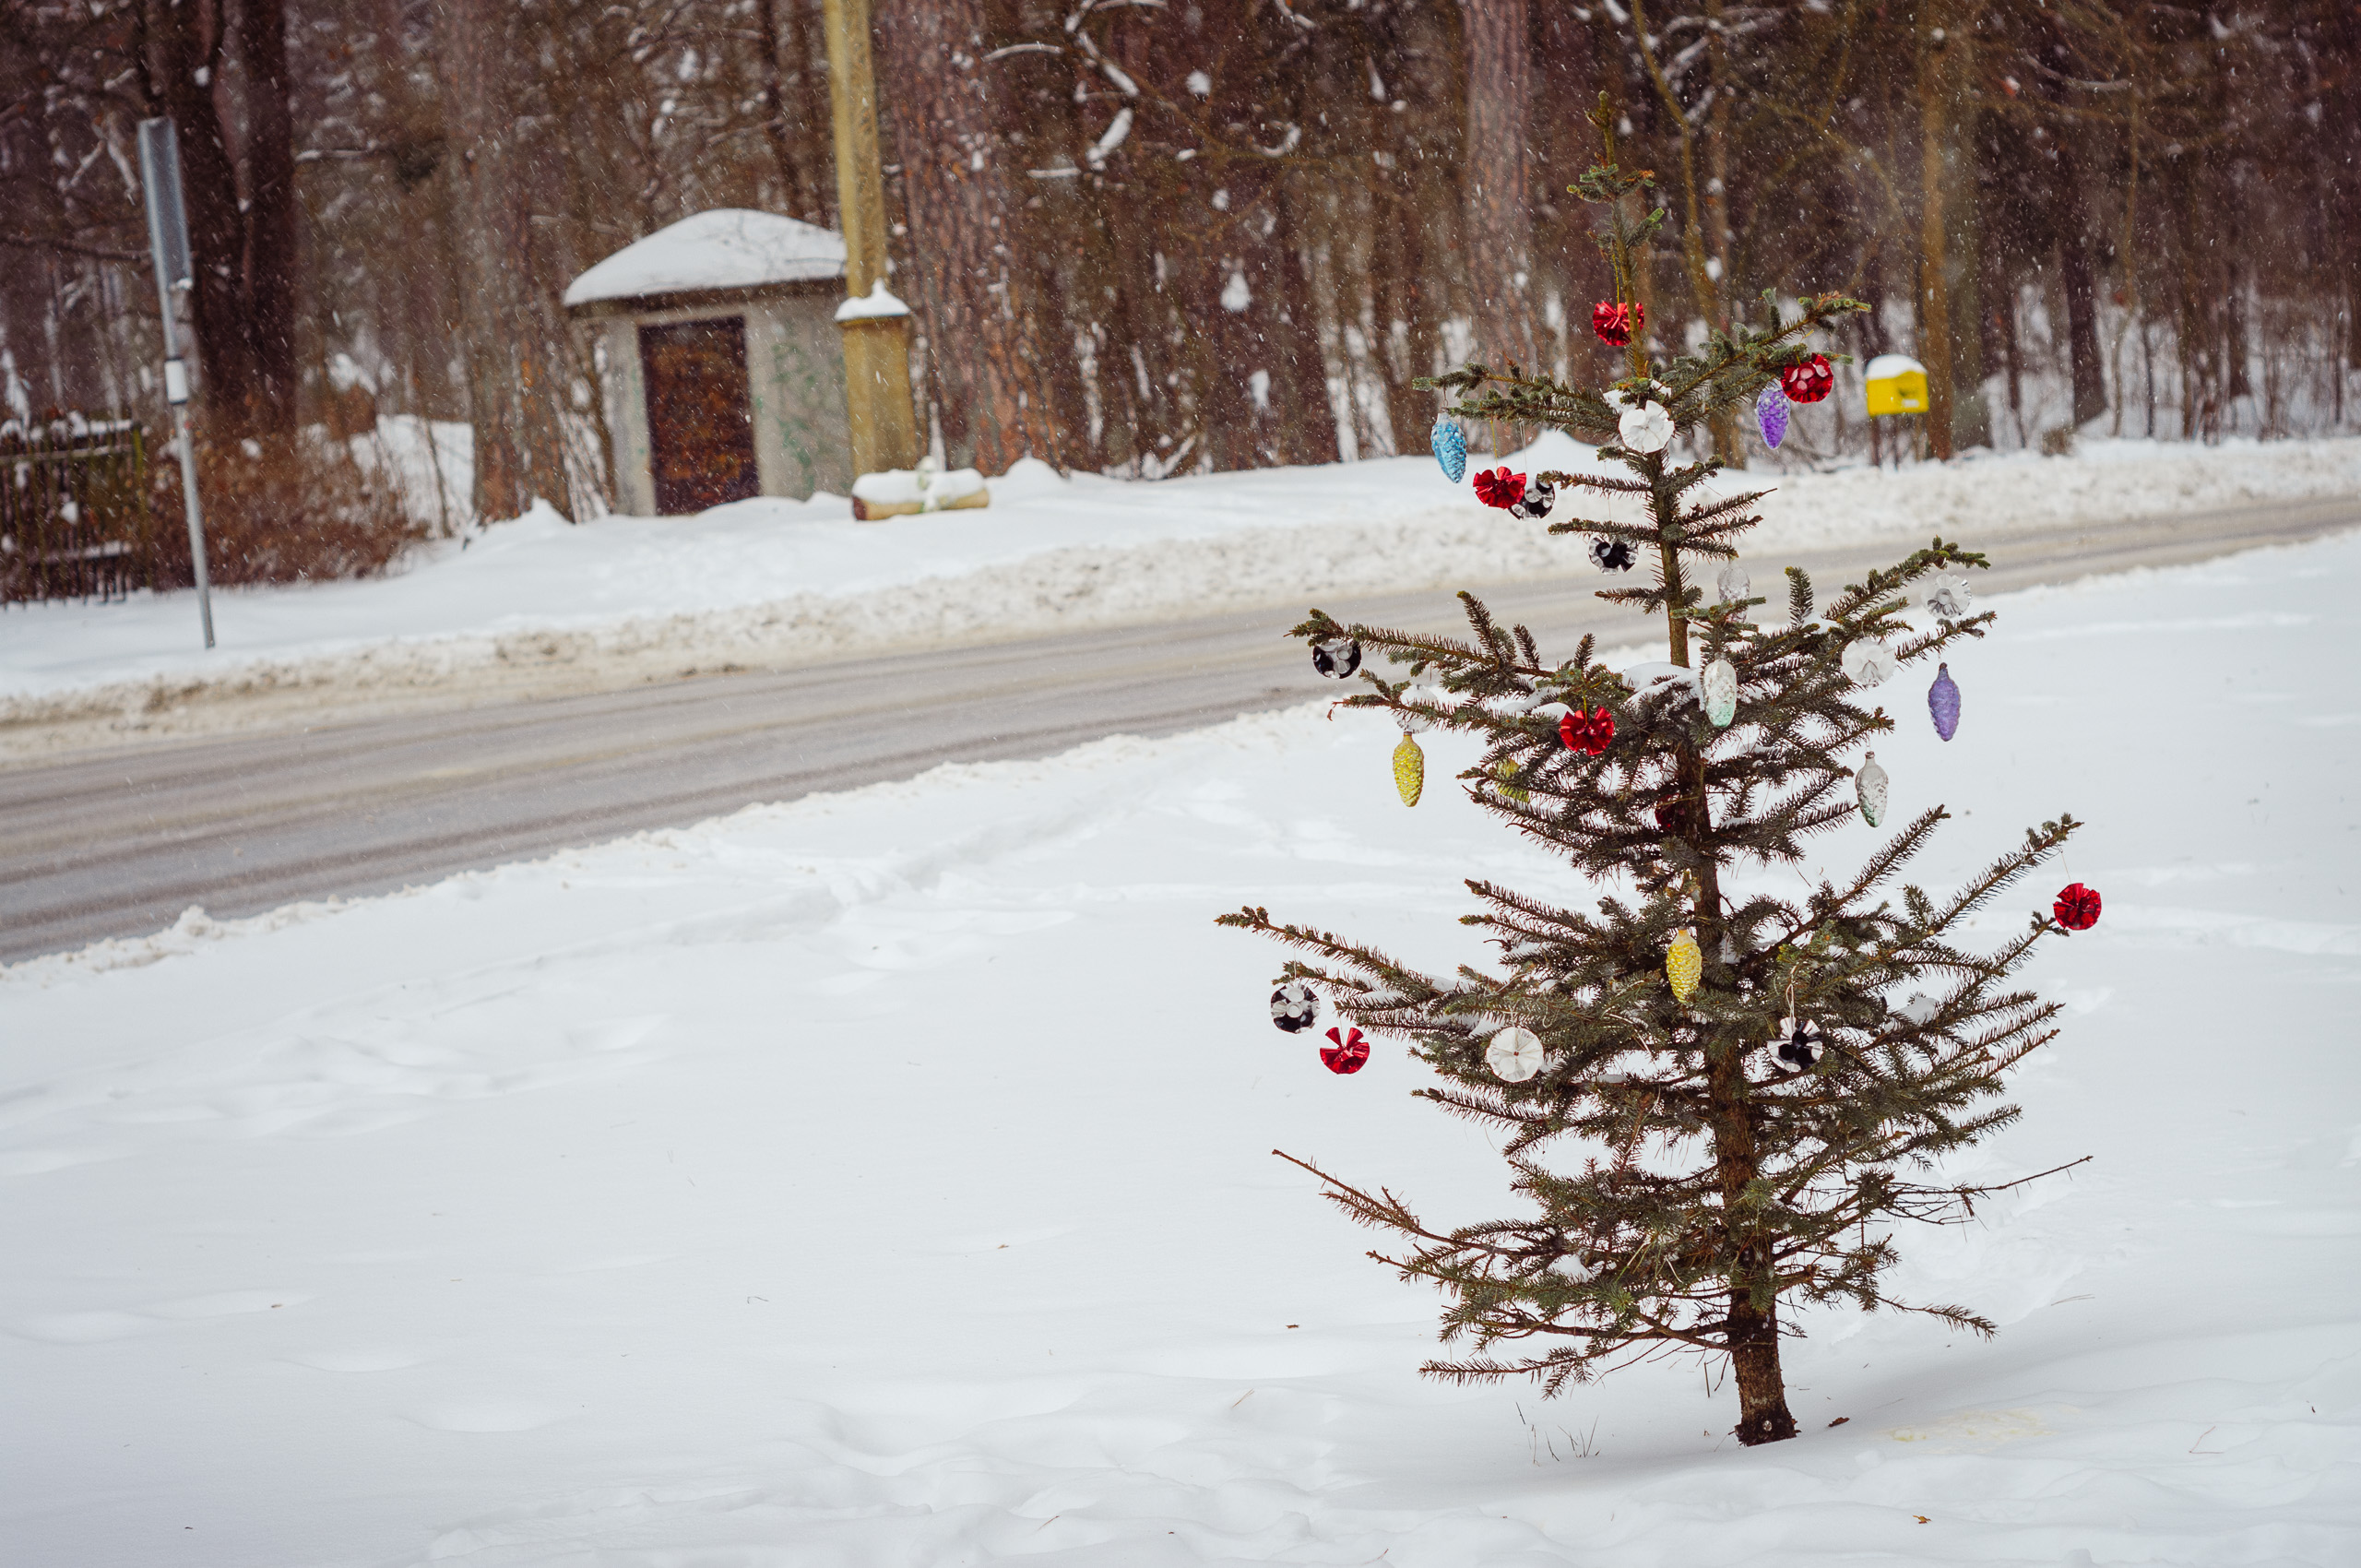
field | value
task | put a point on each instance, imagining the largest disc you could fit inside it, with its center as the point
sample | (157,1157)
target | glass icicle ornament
(1450,444)
(1869,786)
(1514,1054)
(1942,702)
(1684,966)
(1409,770)
(1718,686)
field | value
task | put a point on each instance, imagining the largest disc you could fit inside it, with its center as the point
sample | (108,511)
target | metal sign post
(159,177)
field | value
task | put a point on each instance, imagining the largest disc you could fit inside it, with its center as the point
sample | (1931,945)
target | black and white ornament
(1539,496)
(1337,657)
(1800,1042)
(1611,554)
(1947,596)
(1295,1008)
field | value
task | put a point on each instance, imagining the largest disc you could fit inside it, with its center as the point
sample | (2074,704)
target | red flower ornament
(1808,382)
(1498,487)
(1348,1054)
(1615,324)
(2077,907)
(1587,733)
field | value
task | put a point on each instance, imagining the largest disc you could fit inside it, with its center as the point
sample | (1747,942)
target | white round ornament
(1868,661)
(1645,429)
(1514,1054)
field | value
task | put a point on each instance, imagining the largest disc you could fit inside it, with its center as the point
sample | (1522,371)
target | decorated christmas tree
(1716,1103)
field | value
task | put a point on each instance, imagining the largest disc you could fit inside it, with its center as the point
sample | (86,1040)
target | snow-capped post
(1707,1090)
(159,180)
(876,326)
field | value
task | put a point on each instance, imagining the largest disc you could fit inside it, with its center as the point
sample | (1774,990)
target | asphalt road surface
(119,842)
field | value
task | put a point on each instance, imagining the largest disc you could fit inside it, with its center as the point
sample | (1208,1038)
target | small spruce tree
(1681,1178)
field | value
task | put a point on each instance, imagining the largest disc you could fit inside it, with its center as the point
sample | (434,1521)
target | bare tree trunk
(188,39)
(2081,288)
(513,365)
(1500,215)
(271,257)
(995,403)
(771,81)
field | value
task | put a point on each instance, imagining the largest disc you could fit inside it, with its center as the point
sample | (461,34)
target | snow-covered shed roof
(729,247)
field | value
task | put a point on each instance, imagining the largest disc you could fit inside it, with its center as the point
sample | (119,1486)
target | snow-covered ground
(777,584)
(884,1179)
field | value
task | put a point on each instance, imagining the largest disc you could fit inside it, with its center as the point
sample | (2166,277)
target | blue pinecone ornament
(1451,449)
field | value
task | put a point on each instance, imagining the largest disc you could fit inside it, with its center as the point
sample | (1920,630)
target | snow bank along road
(883,1180)
(123,842)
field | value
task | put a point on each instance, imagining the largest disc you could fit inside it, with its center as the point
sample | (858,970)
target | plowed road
(117,843)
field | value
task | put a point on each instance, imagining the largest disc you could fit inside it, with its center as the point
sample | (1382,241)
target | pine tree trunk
(772,79)
(188,40)
(965,222)
(271,239)
(514,376)
(1499,217)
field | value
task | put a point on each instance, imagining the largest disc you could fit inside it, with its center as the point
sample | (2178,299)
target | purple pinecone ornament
(1942,702)
(1771,413)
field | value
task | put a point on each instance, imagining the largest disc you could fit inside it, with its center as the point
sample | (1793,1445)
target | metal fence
(77,520)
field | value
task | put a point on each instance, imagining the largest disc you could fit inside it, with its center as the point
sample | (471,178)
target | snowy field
(777,584)
(884,1179)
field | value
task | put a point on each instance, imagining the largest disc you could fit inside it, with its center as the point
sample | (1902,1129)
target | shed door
(700,431)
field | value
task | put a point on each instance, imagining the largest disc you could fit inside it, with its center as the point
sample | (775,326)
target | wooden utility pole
(877,342)
(1937,47)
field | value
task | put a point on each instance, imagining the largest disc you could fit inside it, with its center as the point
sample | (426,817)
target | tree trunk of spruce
(1753,1329)
(1499,217)
(513,380)
(963,216)
(270,257)
(1936,47)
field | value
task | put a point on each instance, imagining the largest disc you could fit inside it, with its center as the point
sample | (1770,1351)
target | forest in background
(1154,238)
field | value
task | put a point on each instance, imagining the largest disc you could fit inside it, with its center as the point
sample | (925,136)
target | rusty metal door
(700,428)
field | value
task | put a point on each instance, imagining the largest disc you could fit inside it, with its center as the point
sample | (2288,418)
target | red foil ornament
(1348,1054)
(1615,324)
(2077,907)
(1498,487)
(1808,382)
(1588,733)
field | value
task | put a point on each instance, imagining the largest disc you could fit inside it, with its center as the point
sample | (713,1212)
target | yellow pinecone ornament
(1410,772)
(1684,966)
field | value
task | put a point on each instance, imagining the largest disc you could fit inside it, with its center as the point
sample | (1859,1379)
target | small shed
(720,361)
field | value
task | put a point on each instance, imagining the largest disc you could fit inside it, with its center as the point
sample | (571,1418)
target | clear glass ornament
(1734,585)
(1870,786)
(1717,684)
(1947,596)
